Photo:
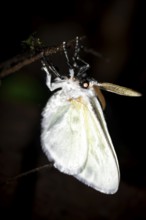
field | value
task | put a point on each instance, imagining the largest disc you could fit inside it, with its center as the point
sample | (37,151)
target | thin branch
(20,61)
(26,173)
(95,53)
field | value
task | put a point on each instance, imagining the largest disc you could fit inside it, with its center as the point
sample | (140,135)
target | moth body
(74,134)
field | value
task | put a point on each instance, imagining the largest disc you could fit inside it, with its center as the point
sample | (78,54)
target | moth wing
(63,136)
(101,170)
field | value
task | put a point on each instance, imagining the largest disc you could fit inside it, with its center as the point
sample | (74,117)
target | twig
(20,61)
(26,173)
(95,53)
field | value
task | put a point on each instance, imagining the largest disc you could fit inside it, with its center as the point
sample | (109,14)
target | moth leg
(51,86)
(77,58)
(46,63)
(83,68)
(71,70)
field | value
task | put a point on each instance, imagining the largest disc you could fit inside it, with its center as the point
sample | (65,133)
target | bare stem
(9,180)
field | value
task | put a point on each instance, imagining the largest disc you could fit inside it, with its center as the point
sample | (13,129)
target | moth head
(87,82)
(84,81)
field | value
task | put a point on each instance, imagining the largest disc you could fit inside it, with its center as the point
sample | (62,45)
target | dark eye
(84,84)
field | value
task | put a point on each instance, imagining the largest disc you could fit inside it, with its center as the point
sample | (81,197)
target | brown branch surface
(16,63)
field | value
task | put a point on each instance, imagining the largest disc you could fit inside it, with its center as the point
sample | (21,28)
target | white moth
(74,135)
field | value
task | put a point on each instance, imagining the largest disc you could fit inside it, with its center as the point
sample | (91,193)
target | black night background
(114,28)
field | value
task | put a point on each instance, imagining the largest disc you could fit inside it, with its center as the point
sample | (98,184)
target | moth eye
(84,84)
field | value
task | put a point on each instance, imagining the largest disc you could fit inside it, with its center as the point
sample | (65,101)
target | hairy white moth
(74,135)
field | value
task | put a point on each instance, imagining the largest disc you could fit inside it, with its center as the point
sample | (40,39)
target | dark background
(114,28)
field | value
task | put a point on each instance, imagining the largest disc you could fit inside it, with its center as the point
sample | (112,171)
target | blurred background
(114,28)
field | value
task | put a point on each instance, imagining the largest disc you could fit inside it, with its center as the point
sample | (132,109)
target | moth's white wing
(78,142)
(63,135)
(101,170)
